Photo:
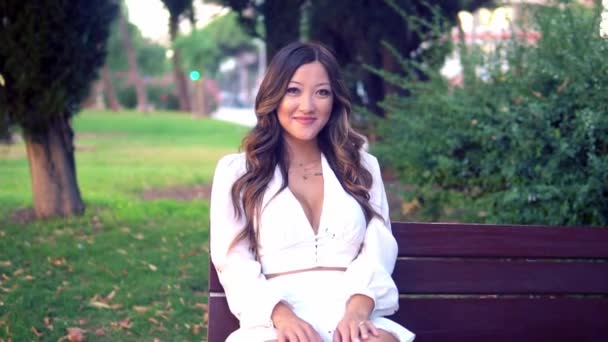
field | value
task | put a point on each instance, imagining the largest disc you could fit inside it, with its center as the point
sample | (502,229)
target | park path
(241,116)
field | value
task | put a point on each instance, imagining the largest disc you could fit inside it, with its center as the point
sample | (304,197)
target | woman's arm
(249,295)
(369,274)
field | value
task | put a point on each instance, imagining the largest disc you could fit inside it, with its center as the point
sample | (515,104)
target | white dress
(288,242)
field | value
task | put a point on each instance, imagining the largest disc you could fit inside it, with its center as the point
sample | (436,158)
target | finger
(291,336)
(344,333)
(373,329)
(281,336)
(354,334)
(364,330)
(337,337)
(310,333)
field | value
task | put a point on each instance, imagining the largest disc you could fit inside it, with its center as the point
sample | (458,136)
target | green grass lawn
(130,269)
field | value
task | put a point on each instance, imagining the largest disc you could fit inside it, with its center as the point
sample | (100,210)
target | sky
(153,19)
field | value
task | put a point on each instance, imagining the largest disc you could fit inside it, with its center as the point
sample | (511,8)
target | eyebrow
(319,84)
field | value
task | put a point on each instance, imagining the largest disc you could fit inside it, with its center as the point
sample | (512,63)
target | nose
(306,104)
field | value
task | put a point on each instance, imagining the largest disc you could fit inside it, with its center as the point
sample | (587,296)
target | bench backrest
(468,282)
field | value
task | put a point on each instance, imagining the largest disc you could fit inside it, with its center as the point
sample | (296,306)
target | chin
(305,137)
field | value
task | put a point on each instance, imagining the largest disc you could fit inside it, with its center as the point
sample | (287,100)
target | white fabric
(287,242)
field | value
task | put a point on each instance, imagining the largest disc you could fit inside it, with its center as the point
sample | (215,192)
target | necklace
(306,170)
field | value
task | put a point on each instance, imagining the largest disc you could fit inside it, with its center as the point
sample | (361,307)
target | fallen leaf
(29,277)
(206,318)
(7,263)
(74,335)
(100,332)
(58,261)
(48,323)
(156,340)
(5,277)
(125,323)
(153,321)
(122,251)
(38,334)
(141,309)
(125,230)
(163,317)
(152,267)
(110,296)
(18,272)
(99,305)
(139,236)
(82,321)
(202,306)
(196,329)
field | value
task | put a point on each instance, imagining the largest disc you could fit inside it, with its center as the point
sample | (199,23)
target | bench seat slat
(514,319)
(477,319)
(458,276)
(476,240)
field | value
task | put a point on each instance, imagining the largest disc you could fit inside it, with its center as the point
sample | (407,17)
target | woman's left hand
(355,326)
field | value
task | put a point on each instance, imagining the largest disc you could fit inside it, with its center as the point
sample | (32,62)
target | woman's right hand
(290,327)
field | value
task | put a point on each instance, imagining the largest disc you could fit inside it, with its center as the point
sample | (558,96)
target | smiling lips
(305,120)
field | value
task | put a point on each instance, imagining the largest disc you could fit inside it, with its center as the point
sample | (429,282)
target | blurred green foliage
(150,56)
(205,48)
(50,53)
(524,139)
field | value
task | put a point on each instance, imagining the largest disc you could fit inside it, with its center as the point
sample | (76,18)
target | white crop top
(287,241)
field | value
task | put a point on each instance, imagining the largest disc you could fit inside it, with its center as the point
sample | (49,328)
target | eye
(292,91)
(324,92)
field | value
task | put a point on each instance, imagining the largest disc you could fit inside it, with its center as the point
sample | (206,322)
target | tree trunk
(6,137)
(134,77)
(108,89)
(180,79)
(53,170)
(282,24)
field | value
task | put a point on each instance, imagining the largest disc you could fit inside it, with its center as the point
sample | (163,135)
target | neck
(302,151)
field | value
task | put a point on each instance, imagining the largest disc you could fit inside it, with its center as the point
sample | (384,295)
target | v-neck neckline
(324,169)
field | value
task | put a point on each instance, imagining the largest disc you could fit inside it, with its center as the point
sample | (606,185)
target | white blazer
(287,242)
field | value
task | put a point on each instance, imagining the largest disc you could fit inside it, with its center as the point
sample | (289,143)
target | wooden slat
(516,319)
(474,240)
(474,276)
(476,319)
(221,321)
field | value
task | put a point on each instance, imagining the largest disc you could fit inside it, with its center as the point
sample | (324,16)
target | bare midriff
(318,268)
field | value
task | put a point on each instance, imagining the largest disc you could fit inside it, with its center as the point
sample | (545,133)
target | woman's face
(306,106)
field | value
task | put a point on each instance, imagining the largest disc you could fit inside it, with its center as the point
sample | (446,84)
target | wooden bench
(469,282)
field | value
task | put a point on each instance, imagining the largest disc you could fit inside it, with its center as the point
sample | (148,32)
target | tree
(109,90)
(149,60)
(281,20)
(205,48)
(50,53)
(134,77)
(357,38)
(177,9)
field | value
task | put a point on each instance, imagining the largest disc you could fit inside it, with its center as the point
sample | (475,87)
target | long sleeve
(370,272)
(250,297)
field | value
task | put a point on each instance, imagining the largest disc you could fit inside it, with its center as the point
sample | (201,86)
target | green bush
(161,97)
(528,144)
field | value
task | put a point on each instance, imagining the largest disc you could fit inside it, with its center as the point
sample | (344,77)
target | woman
(300,233)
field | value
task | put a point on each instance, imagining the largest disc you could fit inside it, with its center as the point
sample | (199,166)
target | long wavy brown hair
(265,149)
